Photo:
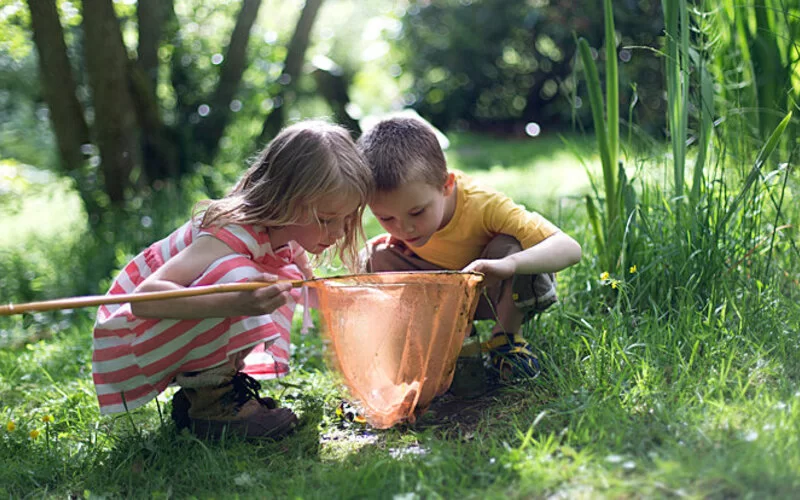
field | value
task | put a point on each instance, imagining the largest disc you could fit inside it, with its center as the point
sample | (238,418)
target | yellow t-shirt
(481,214)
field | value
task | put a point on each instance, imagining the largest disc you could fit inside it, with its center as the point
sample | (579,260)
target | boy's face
(414,211)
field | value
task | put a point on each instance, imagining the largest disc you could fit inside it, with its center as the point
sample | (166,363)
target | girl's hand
(263,300)
(495,270)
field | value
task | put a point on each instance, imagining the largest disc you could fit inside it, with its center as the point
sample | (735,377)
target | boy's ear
(449,184)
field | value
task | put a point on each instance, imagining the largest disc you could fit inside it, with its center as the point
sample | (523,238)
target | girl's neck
(277,237)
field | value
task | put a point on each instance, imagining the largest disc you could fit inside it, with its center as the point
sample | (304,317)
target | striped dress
(134,359)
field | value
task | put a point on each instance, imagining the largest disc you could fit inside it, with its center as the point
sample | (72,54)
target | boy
(440,219)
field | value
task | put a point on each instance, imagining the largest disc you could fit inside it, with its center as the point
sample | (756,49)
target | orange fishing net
(394,337)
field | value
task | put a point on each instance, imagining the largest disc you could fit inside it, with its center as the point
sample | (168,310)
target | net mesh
(394,337)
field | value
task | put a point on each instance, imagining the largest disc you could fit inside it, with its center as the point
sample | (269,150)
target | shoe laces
(246,388)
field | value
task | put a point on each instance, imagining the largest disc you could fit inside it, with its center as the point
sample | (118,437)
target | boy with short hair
(441,219)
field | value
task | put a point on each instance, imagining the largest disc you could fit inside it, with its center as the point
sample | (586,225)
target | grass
(672,396)
(45,208)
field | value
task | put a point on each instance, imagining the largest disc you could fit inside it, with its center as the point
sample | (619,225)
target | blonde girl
(306,192)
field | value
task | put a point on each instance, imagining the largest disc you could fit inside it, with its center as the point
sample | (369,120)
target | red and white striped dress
(134,359)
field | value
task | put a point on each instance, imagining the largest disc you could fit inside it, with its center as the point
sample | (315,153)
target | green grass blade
(763,154)
(612,83)
(594,221)
(706,110)
(596,102)
(677,41)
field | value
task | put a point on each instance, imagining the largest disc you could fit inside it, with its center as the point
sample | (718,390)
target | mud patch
(451,413)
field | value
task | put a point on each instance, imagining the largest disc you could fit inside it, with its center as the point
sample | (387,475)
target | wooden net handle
(98,300)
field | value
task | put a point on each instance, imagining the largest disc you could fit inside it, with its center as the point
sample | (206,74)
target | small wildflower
(34,434)
(11,426)
(47,419)
(605,275)
(614,284)
(633,269)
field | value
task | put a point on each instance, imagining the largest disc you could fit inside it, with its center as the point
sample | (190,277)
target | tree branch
(211,128)
(115,118)
(295,55)
(58,84)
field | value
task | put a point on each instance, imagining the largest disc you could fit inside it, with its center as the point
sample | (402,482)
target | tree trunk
(160,151)
(114,114)
(161,156)
(58,84)
(333,86)
(211,128)
(295,55)
(151,15)
(66,112)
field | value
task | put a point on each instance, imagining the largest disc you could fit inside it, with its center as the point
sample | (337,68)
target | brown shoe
(180,410)
(235,408)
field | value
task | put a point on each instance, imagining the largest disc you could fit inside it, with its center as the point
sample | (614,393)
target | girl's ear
(449,184)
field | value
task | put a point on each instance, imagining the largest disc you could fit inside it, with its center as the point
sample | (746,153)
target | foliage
(612,227)
(518,69)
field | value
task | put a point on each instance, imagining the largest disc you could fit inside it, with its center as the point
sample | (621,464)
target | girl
(306,192)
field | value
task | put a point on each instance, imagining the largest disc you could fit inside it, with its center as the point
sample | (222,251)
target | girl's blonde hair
(304,163)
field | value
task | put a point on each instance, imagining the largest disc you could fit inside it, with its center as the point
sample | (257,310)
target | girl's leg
(223,400)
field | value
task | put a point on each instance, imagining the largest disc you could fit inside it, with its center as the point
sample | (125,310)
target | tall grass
(736,207)
(611,226)
(676,19)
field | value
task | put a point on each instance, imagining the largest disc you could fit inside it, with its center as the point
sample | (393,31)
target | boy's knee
(380,258)
(501,246)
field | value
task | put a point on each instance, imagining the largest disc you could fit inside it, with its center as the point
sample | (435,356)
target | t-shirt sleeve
(242,240)
(503,216)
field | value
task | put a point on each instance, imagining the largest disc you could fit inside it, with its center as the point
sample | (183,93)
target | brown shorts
(533,293)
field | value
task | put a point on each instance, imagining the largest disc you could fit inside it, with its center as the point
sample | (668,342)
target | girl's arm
(553,254)
(184,268)
(305,266)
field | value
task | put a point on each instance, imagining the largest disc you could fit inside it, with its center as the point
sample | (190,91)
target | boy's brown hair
(401,150)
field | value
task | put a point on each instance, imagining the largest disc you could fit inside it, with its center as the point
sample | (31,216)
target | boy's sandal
(511,357)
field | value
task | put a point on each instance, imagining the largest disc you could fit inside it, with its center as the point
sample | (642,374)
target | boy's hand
(390,241)
(495,270)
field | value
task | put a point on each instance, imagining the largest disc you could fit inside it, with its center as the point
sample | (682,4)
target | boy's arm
(546,248)
(552,254)
(184,268)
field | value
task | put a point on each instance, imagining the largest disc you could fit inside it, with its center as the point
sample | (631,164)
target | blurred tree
(494,64)
(333,86)
(295,55)
(144,129)
(66,113)
(115,121)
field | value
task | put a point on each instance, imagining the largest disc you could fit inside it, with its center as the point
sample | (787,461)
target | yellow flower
(633,269)
(47,419)
(11,426)
(605,275)
(614,284)
(34,434)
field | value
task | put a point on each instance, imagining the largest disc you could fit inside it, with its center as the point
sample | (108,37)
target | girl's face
(322,231)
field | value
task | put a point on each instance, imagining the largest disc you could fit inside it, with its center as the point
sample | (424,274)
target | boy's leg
(511,303)
(382,256)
